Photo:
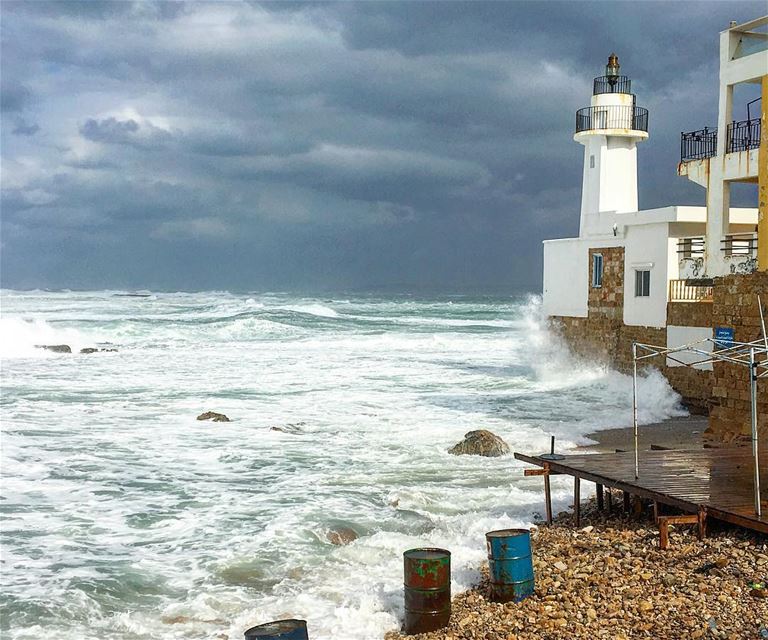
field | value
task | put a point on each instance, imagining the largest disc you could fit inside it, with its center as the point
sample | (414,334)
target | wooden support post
(547,498)
(665,521)
(663,534)
(600,497)
(577,500)
(637,506)
(655,512)
(626,501)
(609,499)
(702,516)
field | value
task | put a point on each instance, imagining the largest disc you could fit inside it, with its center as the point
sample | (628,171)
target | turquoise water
(125,517)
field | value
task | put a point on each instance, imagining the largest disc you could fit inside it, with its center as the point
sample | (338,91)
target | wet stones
(56,348)
(341,536)
(610,580)
(213,417)
(480,443)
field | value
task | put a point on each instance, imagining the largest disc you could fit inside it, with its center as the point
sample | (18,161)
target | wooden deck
(714,483)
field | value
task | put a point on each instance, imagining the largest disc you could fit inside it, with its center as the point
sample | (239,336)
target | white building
(669,253)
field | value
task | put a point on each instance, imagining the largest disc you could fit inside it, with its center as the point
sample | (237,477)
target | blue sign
(723,337)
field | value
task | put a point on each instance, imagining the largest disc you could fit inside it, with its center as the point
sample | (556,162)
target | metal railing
(611,84)
(697,145)
(743,136)
(690,247)
(739,244)
(612,117)
(681,291)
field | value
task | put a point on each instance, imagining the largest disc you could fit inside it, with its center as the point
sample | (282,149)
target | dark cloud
(325,145)
(24,128)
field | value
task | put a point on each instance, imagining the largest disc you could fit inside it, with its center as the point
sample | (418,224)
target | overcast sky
(320,146)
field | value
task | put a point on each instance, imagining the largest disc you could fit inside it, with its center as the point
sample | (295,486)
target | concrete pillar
(762,179)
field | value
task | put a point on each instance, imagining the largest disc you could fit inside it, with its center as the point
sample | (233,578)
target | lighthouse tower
(609,129)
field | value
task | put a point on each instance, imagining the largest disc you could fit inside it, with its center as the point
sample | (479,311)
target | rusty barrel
(279,630)
(427,589)
(510,564)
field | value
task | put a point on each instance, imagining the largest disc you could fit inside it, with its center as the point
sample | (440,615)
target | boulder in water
(95,350)
(56,348)
(480,443)
(341,536)
(213,416)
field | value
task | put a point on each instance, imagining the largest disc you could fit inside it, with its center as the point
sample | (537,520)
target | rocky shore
(610,580)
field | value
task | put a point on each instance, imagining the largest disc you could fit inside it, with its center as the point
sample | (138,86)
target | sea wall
(722,392)
(735,305)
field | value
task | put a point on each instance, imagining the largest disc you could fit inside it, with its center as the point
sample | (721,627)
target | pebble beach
(609,579)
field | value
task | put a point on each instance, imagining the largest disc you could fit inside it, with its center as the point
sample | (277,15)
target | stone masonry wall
(735,305)
(724,392)
(689,314)
(607,301)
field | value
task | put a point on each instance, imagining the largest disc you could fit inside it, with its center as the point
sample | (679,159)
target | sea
(123,516)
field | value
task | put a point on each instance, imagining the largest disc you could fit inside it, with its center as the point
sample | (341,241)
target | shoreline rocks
(480,443)
(609,580)
(56,348)
(341,536)
(213,417)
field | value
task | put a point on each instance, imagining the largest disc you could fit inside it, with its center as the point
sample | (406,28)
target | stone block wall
(689,314)
(735,305)
(723,393)
(607,300)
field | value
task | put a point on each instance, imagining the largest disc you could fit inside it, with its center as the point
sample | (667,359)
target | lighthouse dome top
(612,82)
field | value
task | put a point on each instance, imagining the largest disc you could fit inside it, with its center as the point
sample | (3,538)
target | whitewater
(125,517)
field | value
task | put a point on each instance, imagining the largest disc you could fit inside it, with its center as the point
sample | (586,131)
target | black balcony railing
(743,136)
(612,117)
(612,84)
(697,145)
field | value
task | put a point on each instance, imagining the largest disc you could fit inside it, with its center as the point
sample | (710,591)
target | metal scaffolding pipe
(634,408)
(755,447)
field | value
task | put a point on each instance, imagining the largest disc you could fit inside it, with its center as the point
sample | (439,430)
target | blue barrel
(511,564)
(279,630)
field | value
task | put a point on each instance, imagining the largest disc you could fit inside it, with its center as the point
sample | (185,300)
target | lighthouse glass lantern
(612,69)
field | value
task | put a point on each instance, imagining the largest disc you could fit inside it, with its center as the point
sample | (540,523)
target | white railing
(681,291)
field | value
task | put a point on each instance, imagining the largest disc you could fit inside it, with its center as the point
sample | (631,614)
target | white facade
(665,242)
(718,157)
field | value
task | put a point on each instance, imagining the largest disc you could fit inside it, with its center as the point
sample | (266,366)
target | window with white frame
(597,270)
(642,284)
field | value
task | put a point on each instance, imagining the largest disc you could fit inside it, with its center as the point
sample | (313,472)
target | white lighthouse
(610,129)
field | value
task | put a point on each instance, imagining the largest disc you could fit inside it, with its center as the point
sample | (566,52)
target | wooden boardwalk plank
(718,480)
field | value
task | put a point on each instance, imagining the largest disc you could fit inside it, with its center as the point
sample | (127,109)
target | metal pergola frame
(746,354)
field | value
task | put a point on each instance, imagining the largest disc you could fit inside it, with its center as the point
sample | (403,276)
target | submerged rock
(213,416)
(96,350)
(291,427)
(56,348)
(341,536)
(480,443)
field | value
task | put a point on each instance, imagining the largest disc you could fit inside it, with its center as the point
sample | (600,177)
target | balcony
(612,117)
(611,84)
(743,136)
(681,291)
(697,145)
(701,144)
(740,252)
(690,257)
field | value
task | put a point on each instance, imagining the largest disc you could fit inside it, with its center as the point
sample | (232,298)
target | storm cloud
(305,146)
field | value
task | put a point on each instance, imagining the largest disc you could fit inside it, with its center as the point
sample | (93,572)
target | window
(597,270)
(642,284)
(592,161)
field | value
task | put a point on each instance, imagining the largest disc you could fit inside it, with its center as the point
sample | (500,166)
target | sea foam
(124,517)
